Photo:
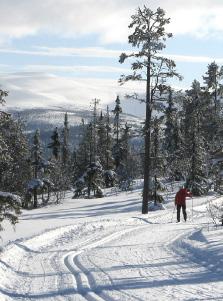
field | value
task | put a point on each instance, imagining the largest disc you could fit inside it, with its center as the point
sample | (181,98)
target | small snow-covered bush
(10,205)
(109,178)
(90,181)
(41,186)
(216,213)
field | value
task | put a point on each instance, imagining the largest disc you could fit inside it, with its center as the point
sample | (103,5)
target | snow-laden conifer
(148,65)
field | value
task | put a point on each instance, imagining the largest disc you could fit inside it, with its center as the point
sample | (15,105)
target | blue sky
(76,43)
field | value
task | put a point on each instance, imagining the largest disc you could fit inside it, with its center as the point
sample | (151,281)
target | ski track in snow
(107,260)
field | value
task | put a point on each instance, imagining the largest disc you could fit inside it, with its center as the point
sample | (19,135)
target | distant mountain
(47,119)
(41,101)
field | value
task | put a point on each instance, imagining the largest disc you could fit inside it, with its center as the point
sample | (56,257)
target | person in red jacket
(180,202)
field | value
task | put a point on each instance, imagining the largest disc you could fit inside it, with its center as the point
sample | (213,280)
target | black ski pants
(184,212)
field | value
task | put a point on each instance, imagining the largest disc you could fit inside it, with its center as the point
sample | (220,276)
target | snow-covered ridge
(47,118)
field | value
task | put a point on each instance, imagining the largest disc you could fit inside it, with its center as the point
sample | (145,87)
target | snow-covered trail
(159,269)
(42,267)
(128,257)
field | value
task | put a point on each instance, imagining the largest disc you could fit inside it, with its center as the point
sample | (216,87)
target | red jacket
(181,196)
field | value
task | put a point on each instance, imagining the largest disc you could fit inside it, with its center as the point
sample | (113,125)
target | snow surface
(104,249)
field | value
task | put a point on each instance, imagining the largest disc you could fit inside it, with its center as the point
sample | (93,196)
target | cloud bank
(32,89)
(106,18)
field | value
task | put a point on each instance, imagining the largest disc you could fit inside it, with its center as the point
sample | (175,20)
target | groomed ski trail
(109,259)
(53,273)
(160,269)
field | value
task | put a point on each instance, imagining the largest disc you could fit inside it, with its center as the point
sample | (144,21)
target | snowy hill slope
(104,249)
(46,118)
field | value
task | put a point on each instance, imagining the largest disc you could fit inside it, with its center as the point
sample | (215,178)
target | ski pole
(192,213)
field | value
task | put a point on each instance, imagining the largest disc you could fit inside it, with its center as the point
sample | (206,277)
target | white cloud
(97,52)
(194,59)
(32,89)
(107,18)
(68,17)
(94,52)
(60,68)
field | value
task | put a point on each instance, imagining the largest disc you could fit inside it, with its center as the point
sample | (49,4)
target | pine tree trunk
(147,160)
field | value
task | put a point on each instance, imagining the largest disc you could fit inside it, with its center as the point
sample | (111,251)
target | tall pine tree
(148,38)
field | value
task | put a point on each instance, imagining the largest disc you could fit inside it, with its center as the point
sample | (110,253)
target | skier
(180,201)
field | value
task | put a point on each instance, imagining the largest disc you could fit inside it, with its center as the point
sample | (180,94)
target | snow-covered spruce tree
(197,180)
(91,141)
(65,146)
(11,165)
(109,173)
(148,38)
(104,148)
(94,134)
(57,175)
(173,146)
(109,141)
(87,150)
(125,174)
(117,149)
(176,168)
(90,171)
(82,153)
(94,171)
(14,167)
(190,101)
(66,156)
(94,179)
(80,160)
(158,159)
(170,114)
(214,123)
(10,205)
(212,79)
(74,166)
(55,144)
(38,183)
(101,140)
(157,156)
(36,157)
